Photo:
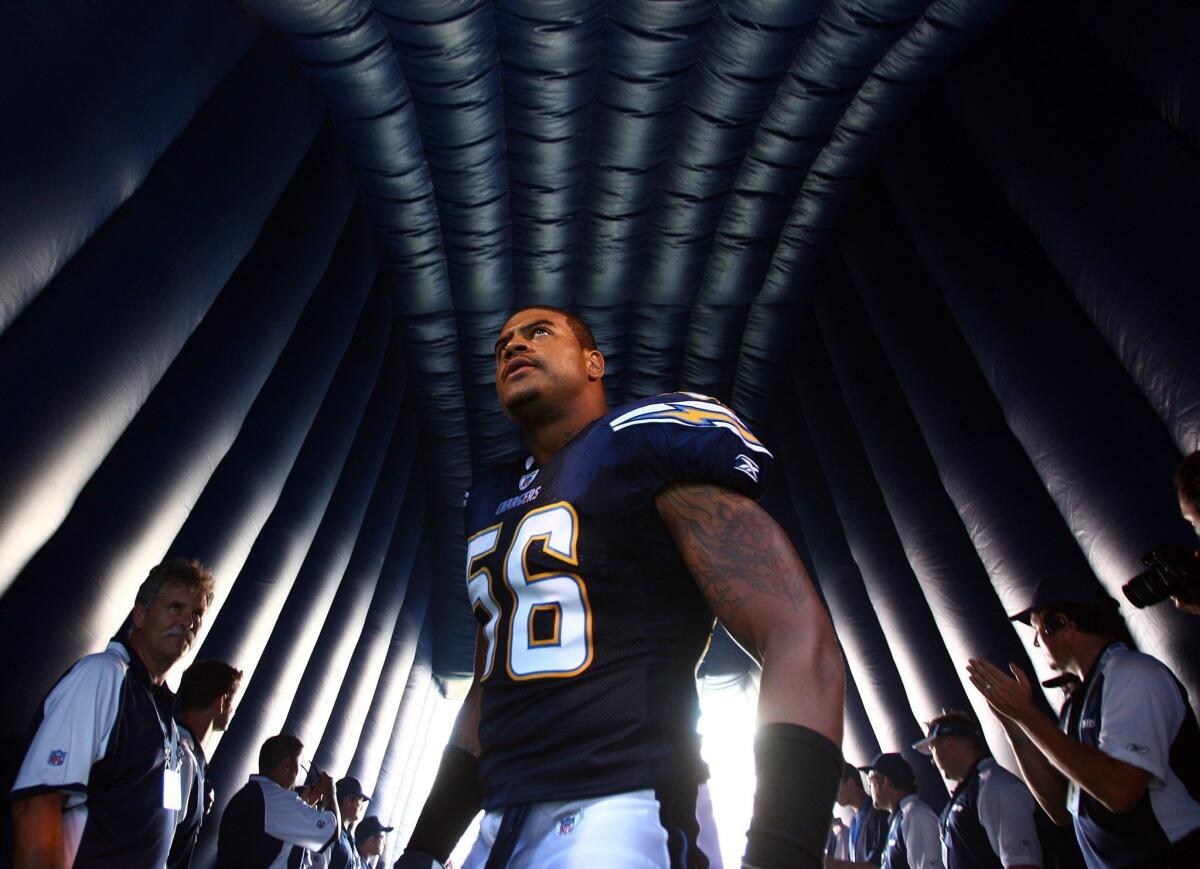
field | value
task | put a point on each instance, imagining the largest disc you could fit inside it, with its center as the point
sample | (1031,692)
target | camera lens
(1148,588)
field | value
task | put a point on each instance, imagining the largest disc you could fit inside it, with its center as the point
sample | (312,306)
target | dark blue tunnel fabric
(885,696)
(749,49)
(1093,439)
(368,662)
(1015,528)
(1054,150)
(956,587)
(918,646)
(76,392)
(140,495)
(331,652)
(855,146)
(245,487)
(123,117)
(254,256)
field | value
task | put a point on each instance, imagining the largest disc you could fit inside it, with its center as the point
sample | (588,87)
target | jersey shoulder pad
(695,438)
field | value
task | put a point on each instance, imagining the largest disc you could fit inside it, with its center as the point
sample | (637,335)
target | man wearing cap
(912,835)
(989,821)
(368,838)
(1123,762)
(868,827)
(351,800)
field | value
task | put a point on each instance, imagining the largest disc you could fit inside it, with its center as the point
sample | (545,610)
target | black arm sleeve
(452,803)
(798,775)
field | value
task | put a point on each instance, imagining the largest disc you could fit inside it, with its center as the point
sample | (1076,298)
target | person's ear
(594,364)
(138,616)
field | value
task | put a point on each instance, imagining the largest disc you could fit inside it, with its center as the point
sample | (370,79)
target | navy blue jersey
(593,625)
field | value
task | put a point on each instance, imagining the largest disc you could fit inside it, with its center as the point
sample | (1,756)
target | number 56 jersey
(593,627)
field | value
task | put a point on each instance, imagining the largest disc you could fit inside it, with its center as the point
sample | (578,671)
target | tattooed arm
(757,586)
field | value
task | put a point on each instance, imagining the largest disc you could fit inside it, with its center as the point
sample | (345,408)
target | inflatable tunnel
(254,256)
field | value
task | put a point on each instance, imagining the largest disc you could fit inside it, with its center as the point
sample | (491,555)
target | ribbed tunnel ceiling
(255,256)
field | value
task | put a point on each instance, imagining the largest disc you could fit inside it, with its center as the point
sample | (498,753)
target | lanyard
(171,738)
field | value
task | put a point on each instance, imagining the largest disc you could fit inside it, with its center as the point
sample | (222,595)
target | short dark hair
(1187,479)
(1091,619)
(276,750)
(850,773)
(578,328)
(187,572)
(205,681)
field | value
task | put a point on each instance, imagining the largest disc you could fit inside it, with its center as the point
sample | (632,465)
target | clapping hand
(1008,696)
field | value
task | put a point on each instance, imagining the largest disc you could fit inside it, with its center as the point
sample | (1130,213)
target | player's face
(538,363)
(170,624)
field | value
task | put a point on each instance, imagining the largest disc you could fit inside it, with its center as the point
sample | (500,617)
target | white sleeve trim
(1006,812)
(1141,712)
(290,819)
(77,721)
(919,826)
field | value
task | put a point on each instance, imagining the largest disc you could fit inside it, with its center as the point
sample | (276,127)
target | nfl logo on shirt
(566,825)
(57,758)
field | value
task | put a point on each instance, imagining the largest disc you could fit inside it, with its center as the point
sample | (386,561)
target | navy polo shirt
(99,739)
(1133,709)
(989,821)
(868,833)
(912,840)
(266,826)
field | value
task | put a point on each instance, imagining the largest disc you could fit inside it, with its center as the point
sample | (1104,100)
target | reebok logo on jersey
(566,825)
(1138,749)
(57,758)
(747,466)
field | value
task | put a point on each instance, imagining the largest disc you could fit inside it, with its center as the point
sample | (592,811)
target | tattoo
(734,550)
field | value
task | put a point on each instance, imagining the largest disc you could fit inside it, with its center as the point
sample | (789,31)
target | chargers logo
(57,758)
(747,466)
(524,482)
(698,413)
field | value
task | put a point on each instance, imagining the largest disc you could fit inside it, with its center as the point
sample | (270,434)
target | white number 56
(567,649)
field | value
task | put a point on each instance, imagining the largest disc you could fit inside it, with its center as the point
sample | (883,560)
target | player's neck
(198,721)
(546,438)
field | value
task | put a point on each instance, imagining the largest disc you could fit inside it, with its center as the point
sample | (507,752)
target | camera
(1170,570)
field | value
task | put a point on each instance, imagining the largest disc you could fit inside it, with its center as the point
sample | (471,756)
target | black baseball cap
(351,787)
(368,827)
(947,725)
(895,767)
(1052,592)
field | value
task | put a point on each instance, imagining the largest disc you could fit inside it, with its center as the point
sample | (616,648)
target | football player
(595,567)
